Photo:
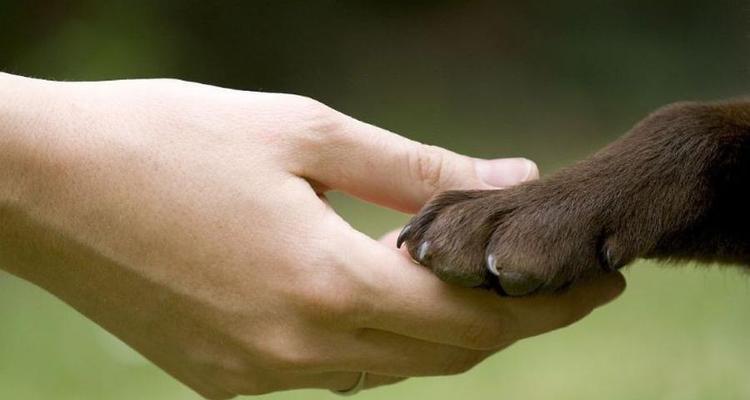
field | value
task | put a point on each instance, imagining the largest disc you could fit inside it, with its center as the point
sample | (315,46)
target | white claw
(492,265)
(423,250)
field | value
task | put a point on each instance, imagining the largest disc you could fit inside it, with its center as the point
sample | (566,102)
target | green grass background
(551,81)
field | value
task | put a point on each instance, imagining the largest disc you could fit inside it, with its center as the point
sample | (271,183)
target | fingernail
(506,172)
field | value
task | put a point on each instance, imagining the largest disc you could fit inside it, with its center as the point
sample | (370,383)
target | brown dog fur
(674,187)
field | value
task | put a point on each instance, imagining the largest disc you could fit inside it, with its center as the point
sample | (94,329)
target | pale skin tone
(190,221)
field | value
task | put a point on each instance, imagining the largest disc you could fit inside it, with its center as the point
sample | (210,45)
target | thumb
(387,169)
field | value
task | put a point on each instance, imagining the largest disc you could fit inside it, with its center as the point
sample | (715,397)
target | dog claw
(492,265)
(422,252)
(610,261)
(403,236)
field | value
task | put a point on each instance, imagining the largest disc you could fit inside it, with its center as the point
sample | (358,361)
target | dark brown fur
(674,187)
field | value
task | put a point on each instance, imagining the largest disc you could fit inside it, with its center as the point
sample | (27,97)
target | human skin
(190,221)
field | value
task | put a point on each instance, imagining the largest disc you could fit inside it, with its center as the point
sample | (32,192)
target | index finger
(407,299)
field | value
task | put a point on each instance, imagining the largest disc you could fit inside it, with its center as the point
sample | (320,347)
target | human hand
(190,222)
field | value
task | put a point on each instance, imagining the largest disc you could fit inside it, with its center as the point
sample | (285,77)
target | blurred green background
(551,81)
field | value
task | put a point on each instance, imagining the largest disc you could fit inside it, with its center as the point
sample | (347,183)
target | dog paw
(529,239)
(669,189)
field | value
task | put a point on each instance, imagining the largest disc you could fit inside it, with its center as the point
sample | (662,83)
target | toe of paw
(458,275)
(446,265)
(514,283)
(420,251)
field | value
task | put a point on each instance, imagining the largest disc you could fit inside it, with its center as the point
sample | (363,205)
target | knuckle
(314,131)
(294,361)
(428,165)
(293,346)
(325,302)
(286,354)
(322,295)
(317,117)
(328,296)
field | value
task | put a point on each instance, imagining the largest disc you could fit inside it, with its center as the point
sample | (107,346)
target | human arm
(189,221)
